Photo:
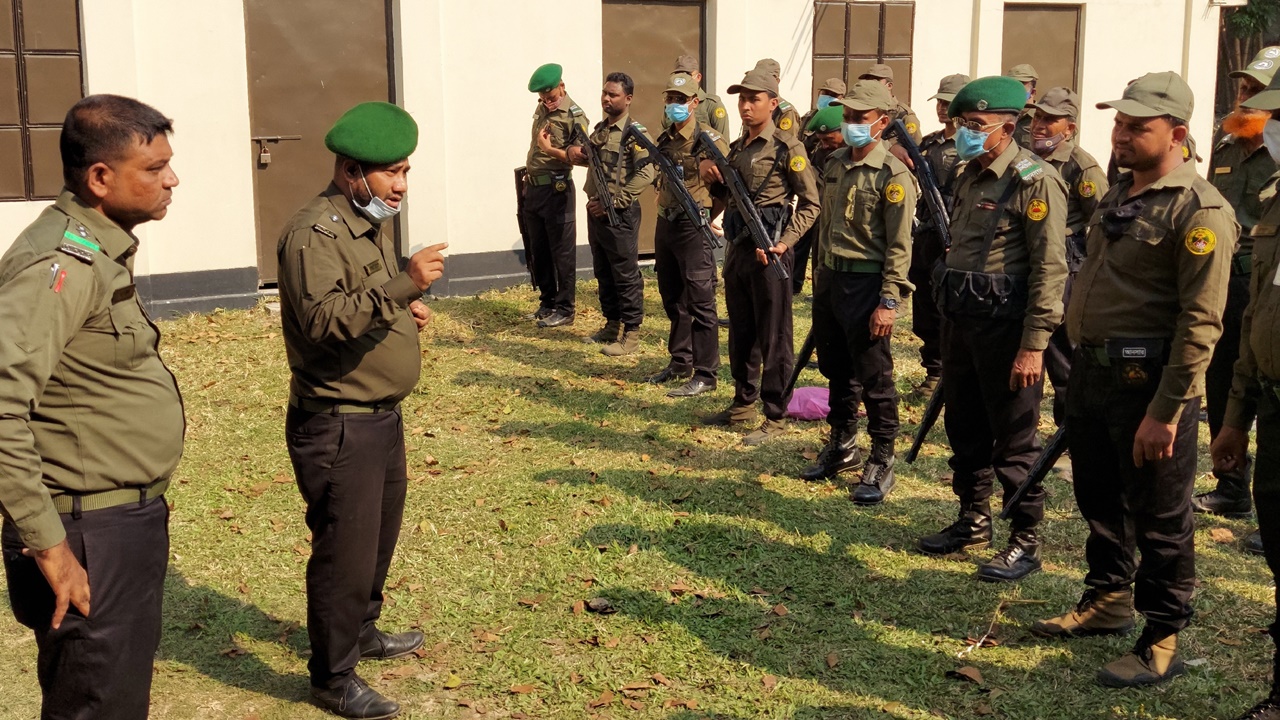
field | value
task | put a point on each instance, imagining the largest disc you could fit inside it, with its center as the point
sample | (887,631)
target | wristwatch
(888,303)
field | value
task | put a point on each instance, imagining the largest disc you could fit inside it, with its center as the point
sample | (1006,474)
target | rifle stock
(521,176)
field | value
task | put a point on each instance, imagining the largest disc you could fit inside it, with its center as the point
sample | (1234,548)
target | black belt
(547,178)
(1127,350)
(76,503)
(340,407)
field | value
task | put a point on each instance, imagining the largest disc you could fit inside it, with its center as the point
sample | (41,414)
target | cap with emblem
(1155,94)
(757,80)
(1268,99)
(879,71)
(835,86)
(682,83)
(686,64)
(868,95)
(545,77)
(374,132)
(1023,73)
(770,66)
(949,86)
(1059,101)
(827,119)
(994,93)
(1263,67)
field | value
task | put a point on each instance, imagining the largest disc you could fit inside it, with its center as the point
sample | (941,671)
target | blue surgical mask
(970,144)
(856,135)
(376,211)
(677,112)
(824,101)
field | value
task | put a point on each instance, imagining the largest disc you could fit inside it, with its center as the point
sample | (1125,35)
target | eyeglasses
(973,125)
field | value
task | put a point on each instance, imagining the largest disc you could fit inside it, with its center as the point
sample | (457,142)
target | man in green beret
(1240,168)
(1144,315)
(883,74)
(1053,132)
(832,89)
(1001,296)
(823,133)
(785,117)
(550,212)
(710,112)
(351,312)
(939,148)
(1028,76)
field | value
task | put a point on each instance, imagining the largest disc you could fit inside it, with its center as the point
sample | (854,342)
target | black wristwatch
(888,303)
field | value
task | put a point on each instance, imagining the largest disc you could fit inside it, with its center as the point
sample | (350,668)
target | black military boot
(877,477)
(1253,543)
(971,530)
(1018,560)
(841,453)
(1230,498)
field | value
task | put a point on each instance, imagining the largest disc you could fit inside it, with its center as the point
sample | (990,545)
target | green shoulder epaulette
(641,128)
(78,243)
(784,106)
(1029,170)
(575,110)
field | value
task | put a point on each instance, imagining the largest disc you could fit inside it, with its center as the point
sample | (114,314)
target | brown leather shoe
(1097,613)
(768,430)
(732,415)
(1150,663)
(628,344)
(607,334)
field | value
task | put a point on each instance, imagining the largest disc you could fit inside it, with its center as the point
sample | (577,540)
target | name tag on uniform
(1222,171)
(373,267)
(986,205)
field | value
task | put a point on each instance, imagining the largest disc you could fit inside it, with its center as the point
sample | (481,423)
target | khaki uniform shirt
(903,112)
(1030,238)
(565,123)
(1260,328)
(710,113)
(774,179)
(1240,174)
(867,208)
(678,144)
(940,151)
(86,403)
(1086,183)
(344,306)
(785,119)
(1022,131)
(1166,277)
(631,177)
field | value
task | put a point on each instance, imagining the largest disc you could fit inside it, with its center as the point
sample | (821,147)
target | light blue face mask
(677,112)
(970,144)
(376,211)
(824,101)
(856,135)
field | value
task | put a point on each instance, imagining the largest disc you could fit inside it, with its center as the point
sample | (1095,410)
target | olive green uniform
(91,428)
(549,206)
(710,113)
(1145,314)
(902,111)
(785,119)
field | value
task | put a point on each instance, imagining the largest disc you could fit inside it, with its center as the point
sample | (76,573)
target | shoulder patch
(1201,241)
(324,231)
(798,163)
(1029,170)
(784,123)
(79,246)
(894,193)
(1037,210)
(784,106)
(911,127)
(720,113)
(575,110)
(1087,188)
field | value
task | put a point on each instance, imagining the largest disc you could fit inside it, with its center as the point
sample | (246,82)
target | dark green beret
(994,93)
(826,119)
(374,132)
(545,77)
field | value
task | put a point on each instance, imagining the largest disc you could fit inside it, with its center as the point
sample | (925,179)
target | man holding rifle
(773,168)
(864,241)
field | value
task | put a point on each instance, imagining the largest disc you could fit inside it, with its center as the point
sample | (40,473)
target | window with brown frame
(850,36)
(41,77)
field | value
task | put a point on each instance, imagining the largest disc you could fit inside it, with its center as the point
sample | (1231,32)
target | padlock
(264,156)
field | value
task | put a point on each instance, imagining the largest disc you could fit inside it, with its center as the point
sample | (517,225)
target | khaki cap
(1023,73)
(879,71)
(868,95)
(686,64)
(771,66)
(1268,99)
(949,86)
(1155,94)
(757,80)
(682,83)
(1263,67)
(1059,101)
(835,86)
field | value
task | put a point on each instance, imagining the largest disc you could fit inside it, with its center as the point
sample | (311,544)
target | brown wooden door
(1047,37)
(850,37)
(643,39)
(309,61)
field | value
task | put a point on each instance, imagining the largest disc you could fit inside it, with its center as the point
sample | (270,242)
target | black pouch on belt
(1137,361)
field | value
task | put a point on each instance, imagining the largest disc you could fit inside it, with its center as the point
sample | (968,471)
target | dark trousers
(858,368)
(1266,490)
(926,318)
(992,429)
(351,471)
(99,667)
(614,258)
(1217,377)
(1057,360)
(553,238)
(761,343)
(1145,508)
(686,272)
(801,251)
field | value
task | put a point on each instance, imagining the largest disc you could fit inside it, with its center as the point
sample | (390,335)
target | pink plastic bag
(809,403)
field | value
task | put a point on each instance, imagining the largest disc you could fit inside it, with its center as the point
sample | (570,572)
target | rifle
(931,413)
(742,199)
(1039,469)
(675,177)
(802,359)
(599,177)
(928,183)
(521,176)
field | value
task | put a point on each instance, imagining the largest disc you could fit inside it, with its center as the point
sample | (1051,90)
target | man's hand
(1229,449)
(901,153)
(544,139)
(776,251)
(426,266)
(1153,441)
(421,314)
(709,172)
(882,321)
(596,209)
(66,577)
(575,155)
(1026,369)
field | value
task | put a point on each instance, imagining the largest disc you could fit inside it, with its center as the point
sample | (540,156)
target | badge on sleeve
(784,124)
(1201,241)
(1186,153)
(798,162)
(911,128)
(894,193)
(1037,210)
(1087,188)
(720,113)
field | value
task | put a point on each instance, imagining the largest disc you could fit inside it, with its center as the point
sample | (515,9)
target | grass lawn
(543,474)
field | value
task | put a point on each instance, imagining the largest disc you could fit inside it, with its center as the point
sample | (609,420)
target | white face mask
(1271,138)
(377,211)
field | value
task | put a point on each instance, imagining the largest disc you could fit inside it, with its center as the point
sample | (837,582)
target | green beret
(374,132)
(827,119)
(995,93)
(545,77)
